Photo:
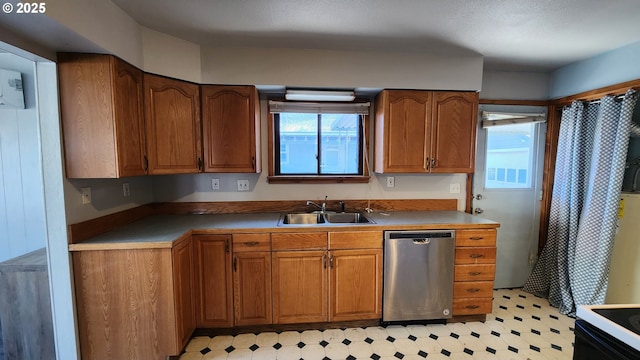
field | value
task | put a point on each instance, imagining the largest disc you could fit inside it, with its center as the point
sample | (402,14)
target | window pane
(491,174)
(340,144)
(510,150)
(299,135)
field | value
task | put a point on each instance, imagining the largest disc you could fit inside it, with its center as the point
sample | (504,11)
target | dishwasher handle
(423,241)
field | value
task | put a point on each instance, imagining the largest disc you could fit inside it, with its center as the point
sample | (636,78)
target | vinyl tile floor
(521,326)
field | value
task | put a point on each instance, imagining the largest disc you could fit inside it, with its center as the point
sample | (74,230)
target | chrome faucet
(323,207)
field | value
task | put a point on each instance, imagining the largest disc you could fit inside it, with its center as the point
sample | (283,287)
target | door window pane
(509,156)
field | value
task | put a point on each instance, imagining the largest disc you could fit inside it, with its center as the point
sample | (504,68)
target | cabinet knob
(474,273)
(472,306)
(476,256)
(473,290)
(476,238)
(251,243)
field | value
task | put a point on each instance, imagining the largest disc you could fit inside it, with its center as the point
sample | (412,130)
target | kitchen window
(318,142)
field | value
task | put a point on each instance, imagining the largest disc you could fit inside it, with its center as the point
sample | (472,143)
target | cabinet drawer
(484,272)
(251,242)
(299,241)
(472,306)
(476,255)
(355,240)
(472,289)
(485,237)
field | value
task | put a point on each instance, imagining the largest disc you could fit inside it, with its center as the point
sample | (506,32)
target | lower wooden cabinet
(300,283)
(183,287)
(356,284)
(252,288)
(213,280)
(474,271)
(134,304)
(329,281)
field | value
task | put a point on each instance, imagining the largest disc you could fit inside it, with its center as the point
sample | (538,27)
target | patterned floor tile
(521,326)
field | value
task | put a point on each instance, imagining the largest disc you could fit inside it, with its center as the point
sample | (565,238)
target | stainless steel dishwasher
(418,275)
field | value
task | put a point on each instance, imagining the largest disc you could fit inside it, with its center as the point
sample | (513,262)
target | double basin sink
(327,218)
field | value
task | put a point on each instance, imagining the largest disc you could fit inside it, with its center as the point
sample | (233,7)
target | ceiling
(525,35)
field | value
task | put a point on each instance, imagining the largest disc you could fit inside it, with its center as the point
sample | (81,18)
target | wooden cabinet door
(252,288)
(125,304)
(403,123)
(183,290)
(102,116)
(453,135)
(231,125)
(172,115)
(355,284)
(299,287)
(129,119)
(213,280)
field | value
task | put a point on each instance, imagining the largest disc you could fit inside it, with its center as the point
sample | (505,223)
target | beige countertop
(161,231)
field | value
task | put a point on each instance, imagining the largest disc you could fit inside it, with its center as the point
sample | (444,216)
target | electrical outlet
(454,188)
(126,191)
(391,181)
(243,185)
(86,195)
(215,184)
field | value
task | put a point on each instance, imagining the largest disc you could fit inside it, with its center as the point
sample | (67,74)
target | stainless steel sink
(347,218)
(302,219)
(329,218)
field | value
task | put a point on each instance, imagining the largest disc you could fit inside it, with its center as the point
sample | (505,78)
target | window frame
(274,145)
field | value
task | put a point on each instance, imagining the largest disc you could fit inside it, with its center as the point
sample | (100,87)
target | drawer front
(476,255)
(472,306)
(355,240)
(484,238)
(251,242)
(472,289)
(485,272)
(299,241)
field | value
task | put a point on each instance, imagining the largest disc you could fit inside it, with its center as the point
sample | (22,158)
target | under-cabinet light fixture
(318,95)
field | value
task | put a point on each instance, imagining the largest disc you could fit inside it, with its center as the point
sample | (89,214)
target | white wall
(332,68)
(22,197)
(106,196)
(169,56)
(512,85)
(606,69)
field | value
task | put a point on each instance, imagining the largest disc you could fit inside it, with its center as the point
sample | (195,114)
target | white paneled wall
(22,224)
(22,221)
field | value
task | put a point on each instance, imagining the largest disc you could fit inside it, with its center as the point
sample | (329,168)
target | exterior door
(507,189)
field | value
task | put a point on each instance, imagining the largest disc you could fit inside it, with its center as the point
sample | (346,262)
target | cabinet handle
(324,261)
(226,245)
(331,261)
(473,290)
(253,163)
(235,264)
(476,256)
(146,164)
(251,243)
(472,306)
(474,273)
(476,238)
(199,163)
(433,163)
(427,163)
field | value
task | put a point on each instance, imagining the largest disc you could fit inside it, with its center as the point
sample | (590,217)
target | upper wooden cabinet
(231,125)
(102,116)
(425,131)
(172,115)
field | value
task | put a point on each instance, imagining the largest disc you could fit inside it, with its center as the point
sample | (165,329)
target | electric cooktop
(629,318)
(621,321)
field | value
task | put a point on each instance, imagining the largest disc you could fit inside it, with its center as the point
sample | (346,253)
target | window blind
(276,107)
(491,118)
